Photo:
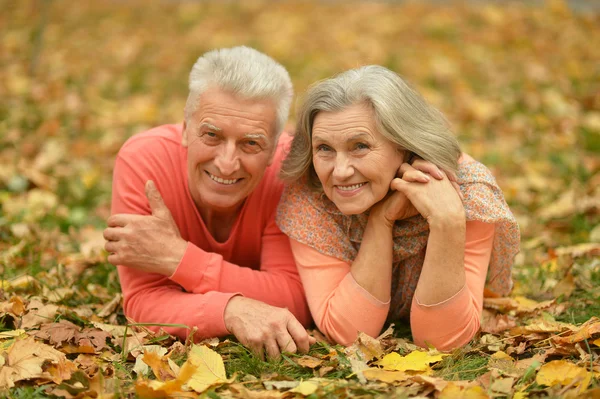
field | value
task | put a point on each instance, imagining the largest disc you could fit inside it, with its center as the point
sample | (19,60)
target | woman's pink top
(341,307)
(325,242)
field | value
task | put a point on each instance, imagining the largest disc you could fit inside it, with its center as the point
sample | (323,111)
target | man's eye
(252,143)
(323,147)
(211,134)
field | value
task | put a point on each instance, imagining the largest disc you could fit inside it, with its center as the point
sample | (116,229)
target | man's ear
(184,135)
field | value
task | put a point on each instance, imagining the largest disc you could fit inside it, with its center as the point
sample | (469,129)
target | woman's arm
(453,322)
(339,305)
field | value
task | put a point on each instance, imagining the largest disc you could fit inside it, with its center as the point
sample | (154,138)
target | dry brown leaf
(24,360)
(586,331)
(38,313)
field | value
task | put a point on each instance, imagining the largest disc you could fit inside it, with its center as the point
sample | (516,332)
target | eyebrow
(256,136)
(209,126)
(354,137)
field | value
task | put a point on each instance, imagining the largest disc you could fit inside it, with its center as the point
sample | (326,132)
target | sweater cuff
(191,269)
(213,315)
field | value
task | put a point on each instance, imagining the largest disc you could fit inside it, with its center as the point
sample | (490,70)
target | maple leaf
(38,313)
(562,372)
(24,360)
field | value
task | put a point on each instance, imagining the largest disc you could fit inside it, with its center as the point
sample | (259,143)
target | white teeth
(222,181)
(350,188)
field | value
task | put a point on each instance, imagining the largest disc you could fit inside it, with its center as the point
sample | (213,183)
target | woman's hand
(397,205)
(437,200)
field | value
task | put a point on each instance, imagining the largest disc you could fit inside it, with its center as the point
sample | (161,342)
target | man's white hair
(245,72)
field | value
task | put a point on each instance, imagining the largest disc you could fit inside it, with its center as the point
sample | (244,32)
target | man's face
(230,142)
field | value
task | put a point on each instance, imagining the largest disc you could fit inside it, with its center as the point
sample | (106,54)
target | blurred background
(519,81)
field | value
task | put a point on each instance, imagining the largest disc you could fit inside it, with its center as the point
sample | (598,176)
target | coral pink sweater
(341,307)
(256,260)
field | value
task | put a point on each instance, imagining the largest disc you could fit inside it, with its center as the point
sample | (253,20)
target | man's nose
(342,168)
(227,161)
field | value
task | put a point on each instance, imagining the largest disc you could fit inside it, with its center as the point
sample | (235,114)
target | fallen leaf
(561,372)
(503,385)
(377,374)
(24,360)
(414,361)
(208,368)
(306,388)
(454,391)
(309,361)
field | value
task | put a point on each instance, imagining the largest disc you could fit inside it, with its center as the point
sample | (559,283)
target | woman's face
(353,160)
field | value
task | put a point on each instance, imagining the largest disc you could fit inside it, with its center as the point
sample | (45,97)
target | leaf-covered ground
(520,84)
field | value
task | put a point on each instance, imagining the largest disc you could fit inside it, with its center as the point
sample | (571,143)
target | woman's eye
(362,146)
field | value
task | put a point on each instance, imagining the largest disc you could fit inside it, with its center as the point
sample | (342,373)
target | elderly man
(193,211)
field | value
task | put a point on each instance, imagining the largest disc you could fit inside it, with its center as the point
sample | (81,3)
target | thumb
(157,205)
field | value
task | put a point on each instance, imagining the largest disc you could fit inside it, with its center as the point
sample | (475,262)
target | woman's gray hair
(401,115)
(245,72)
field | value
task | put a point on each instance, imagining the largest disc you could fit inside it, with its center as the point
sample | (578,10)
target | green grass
(462,367)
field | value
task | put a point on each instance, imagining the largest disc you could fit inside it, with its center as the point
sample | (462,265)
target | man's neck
(219,224)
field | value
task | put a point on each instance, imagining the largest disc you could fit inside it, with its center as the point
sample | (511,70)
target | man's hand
(150,243)
(262,327)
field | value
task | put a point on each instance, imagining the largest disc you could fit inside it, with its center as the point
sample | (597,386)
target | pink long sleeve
(341,307)
(256,261)
(454,322)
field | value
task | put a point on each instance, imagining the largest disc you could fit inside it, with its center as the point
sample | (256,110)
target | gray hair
(245,72)
(402,116)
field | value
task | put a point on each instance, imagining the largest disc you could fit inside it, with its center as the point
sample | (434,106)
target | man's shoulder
(161,137)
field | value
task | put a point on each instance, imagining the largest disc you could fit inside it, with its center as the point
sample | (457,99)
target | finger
(406,168)
(110,247)
(299,335)
(458,190)
(311,340)
(157,205)
(272,349)
(415,176)
(428,167)
(119,220)
(112,234)
(452,176)
(114,259)
(286,343)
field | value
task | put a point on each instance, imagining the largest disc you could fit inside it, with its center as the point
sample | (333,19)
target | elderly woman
(377,231)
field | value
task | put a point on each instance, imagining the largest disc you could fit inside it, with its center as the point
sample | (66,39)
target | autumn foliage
(520,85)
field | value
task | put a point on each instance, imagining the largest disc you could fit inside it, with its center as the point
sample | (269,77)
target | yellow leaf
(309,361)
(453,391)
(561,372)
(306,388)
(501,355)
(597,342)
(520,395)
(209,368)
(11,334)
(414,361)
(377,374)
